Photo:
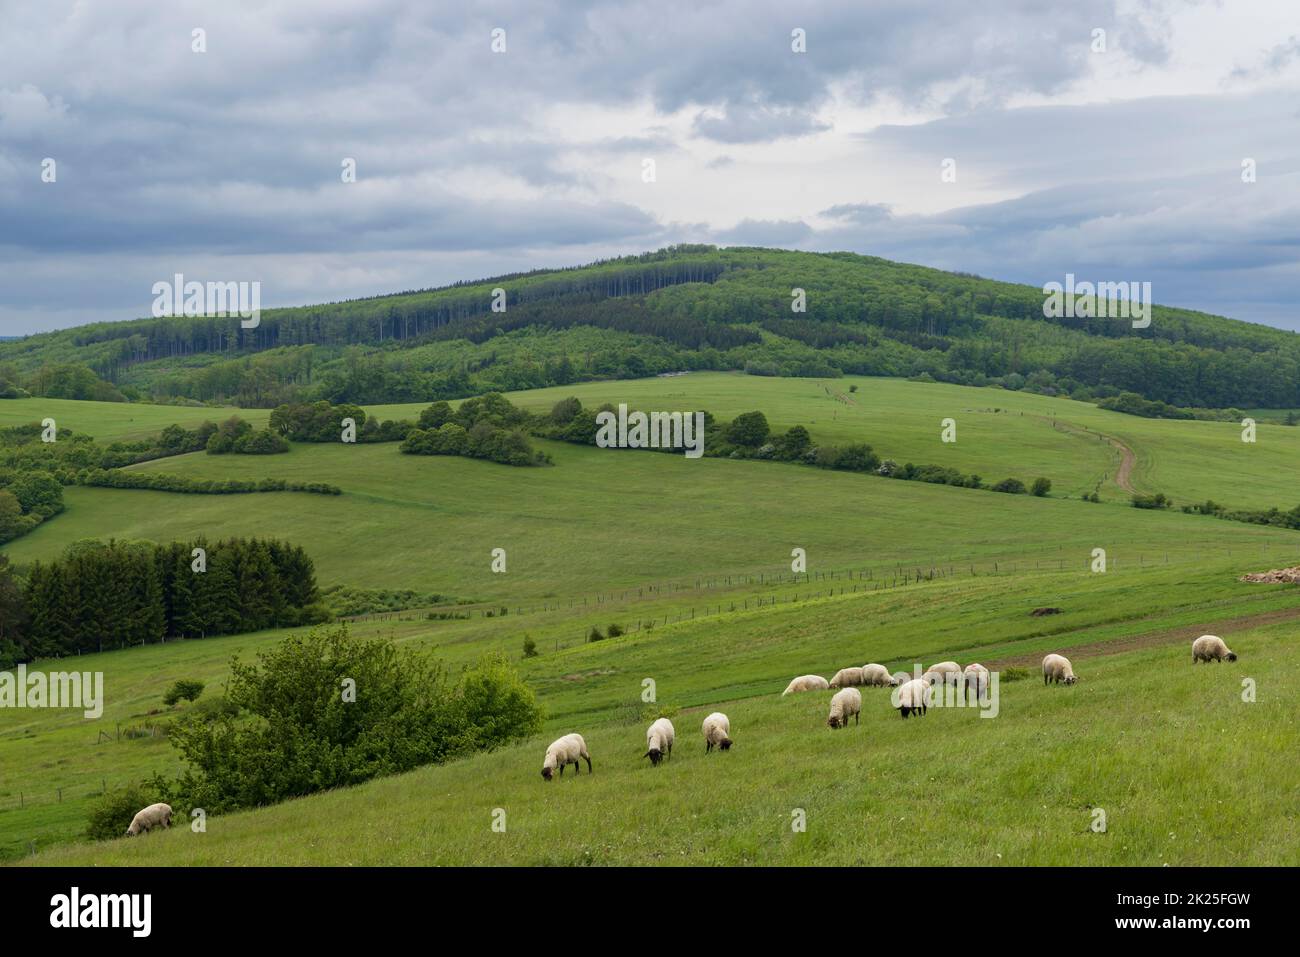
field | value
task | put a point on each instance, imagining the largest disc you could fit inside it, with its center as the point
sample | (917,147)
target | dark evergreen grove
(105,595)
(681,308)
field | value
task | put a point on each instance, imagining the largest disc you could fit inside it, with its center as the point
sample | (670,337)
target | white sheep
(1211,648)
(717,731)
(945,668)
(876,676)
(914,697)
(846,704)
(154,815)
(565,751)
(977,676)
(806,683)
(847,678)
(1057,668)
(659,740)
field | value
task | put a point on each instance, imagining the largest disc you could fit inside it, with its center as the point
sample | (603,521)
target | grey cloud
(756,232)
(751,123)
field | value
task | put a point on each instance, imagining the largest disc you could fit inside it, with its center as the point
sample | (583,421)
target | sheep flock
(913,694)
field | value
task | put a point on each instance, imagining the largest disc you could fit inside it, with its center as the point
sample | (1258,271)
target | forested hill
(680,308)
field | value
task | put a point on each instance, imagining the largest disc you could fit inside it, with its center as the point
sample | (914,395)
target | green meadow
(693,559)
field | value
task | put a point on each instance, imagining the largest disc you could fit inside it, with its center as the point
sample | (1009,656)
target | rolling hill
(683,307)
(692,559)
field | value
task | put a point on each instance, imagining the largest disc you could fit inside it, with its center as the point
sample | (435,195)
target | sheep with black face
(659,740)
(569,749)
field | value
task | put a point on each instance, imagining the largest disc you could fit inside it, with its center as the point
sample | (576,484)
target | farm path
(1127,457)
(1165,636)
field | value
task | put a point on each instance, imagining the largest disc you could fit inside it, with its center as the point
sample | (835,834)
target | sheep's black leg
(588,757)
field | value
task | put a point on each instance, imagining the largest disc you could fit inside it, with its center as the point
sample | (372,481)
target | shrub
(794,443)
(562,412)
(1158,500)
(1041,487)
(327,710)
(530,647)
(183,690)
(856,458)
(264,442)
(615,631)
(1012,486)
(111,813)
(1013,674)
(595,634)
(435,416)
(494,706)
(748,429)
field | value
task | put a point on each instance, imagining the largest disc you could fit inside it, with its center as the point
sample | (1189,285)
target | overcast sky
(226,164)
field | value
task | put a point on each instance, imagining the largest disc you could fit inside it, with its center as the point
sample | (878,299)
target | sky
(1007,138)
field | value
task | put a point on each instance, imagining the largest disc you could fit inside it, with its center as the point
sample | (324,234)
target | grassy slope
(1190,461)
(117,421)
(570,539)
(718,656)
(947,788)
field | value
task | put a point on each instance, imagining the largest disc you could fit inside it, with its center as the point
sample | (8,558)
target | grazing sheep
(946,668)
(1211,648)
(806,683)
(932,677)
(846,704)
(914,697)
(149,818)
(1057,668)
(977,677)
(900,678)
(876,676)
(564,751)
(847,678)
(659,740)
(717,731)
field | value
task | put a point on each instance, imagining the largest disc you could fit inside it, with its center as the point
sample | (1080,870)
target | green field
(693,557)
(950,787)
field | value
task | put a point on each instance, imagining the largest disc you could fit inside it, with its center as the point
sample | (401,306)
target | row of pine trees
(100,596)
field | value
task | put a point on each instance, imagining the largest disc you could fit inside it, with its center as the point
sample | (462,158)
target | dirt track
(1127,457)
(1168,636)
(1126,463)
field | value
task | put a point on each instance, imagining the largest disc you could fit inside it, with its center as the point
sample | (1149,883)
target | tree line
(103,595)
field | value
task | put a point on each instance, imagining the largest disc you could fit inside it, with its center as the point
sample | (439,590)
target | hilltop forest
(680,308)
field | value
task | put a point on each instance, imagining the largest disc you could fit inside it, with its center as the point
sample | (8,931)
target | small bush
(1041,487)
(530,647)
(615,631)
(183,690)
(1013,674)
(1158,500)
(595,634)
(1012,486)
(111,813)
